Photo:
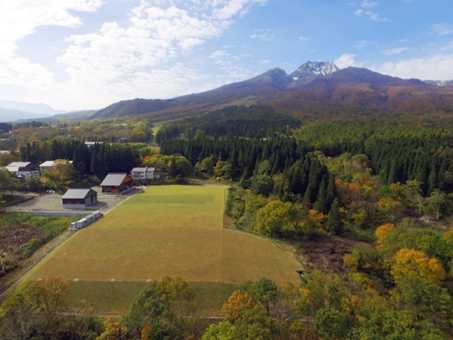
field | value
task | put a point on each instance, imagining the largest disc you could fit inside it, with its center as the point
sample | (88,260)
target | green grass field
(172,231)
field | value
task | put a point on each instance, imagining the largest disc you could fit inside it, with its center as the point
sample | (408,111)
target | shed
(141,174)
(23,169)
(116,183)
(90,144)
(50,165)
(79,198)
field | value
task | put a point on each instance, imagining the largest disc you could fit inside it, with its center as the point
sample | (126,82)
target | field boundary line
(59,241)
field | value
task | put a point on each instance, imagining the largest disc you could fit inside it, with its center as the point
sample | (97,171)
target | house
(23,169)
(145,174)
(116,183)
(50,165)
(79,198)
(90,144)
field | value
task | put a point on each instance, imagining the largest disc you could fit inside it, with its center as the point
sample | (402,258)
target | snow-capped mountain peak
(319,68)
(312,70)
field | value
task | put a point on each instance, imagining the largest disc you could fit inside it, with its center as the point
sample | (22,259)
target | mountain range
(11,110)
(315,89)
(25,112)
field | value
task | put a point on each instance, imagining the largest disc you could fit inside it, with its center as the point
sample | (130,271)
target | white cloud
(436,67)
(395,51)
(303,37)
(265,35)
(142,57)
(20,18)
(443,29)
(346,60)
(368,9)
(361,44)
(230,65)
(227,9)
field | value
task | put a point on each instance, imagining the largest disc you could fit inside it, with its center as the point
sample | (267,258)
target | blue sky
(80,54)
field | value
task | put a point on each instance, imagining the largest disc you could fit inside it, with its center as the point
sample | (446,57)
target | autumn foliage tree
(236,304)
(382,233)
(39,310)
(410,262)
(273,218)
(161,309)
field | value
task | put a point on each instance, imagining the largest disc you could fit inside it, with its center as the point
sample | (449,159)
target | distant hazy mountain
(314,89)
(10,110)
(440,83)
(35,108)
(9,115)
(74,115)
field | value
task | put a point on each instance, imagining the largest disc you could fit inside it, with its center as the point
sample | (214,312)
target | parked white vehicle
(86,221)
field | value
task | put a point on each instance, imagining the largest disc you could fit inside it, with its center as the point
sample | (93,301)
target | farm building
(90,144)
(145,174)
(23,169)
(116,183)
(79,198)
(50,165)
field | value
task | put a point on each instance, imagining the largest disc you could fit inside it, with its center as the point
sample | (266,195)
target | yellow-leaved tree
(236,304)
(382,232)
(410,262)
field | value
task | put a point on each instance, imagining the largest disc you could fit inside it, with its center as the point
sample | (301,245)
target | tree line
(278,165)
(97,160)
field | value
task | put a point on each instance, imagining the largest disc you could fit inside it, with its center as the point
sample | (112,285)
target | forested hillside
(235,121)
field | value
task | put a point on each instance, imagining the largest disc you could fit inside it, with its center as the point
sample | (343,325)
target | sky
(87,54)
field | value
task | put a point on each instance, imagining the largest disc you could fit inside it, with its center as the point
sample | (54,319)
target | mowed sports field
(172,231)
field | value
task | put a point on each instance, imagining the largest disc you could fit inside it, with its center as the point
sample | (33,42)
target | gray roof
(50,164)
(17,166)
(47,164)
(93,143)
(75,194)
(142,169)
(113,180)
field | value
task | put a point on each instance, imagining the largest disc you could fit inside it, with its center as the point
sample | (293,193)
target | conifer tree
(334,222)
(321,200)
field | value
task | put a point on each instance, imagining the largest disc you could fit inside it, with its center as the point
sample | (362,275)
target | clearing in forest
(172,231)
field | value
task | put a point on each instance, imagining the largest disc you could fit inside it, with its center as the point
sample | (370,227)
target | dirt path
(13,279)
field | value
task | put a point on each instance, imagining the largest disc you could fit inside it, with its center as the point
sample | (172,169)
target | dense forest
(98,159)
(399,151)
(235,121)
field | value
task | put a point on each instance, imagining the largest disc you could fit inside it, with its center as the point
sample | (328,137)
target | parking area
(51,204)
